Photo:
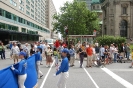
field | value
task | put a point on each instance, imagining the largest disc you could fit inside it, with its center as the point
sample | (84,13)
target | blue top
(10,46)
(38,56)
(64,67)
(102,50)
(22,66)
(72,52)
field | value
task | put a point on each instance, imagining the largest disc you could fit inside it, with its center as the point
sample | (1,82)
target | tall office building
(23,20)
(50,11)
(88,2)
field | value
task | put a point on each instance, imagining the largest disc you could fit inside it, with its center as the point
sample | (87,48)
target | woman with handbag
(82,51)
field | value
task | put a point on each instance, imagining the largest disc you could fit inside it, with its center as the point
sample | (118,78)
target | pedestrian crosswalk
(112,76)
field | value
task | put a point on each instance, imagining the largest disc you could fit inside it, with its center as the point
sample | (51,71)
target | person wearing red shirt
(89,52)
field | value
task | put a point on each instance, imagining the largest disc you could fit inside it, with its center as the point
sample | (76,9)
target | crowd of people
(97,55)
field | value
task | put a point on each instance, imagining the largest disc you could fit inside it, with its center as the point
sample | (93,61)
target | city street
(116,75)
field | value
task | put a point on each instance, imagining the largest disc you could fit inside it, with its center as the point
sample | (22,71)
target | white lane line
(90,77)
(118,78)
(44,80)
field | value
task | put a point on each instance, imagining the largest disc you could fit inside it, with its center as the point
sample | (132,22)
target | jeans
(3,54)
(56,60)
(115,57)
(128,54)
(81,60)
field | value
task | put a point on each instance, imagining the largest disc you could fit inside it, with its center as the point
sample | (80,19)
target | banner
(9,80)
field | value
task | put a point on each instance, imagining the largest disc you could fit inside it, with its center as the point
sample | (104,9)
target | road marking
(44,80)
(118,78)
(90,76)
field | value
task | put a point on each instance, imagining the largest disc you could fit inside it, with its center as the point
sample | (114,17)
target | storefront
(8,35)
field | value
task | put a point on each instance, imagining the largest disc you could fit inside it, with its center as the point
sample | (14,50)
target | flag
(9,80)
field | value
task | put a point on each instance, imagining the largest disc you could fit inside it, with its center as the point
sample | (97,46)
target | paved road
(116,75)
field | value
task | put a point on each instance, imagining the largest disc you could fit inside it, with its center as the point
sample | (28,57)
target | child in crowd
(56,56)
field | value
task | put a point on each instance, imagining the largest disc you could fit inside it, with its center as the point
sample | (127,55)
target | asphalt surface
(115,75)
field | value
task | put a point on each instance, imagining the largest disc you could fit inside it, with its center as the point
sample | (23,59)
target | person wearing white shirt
(35,46)
(94,55)
(43,46)
(115,53)
(26,50)
(15,52)
(111,50)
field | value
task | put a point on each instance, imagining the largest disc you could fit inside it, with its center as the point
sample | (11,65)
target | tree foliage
(78,19)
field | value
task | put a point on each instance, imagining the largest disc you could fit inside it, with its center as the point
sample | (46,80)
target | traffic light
(66,31)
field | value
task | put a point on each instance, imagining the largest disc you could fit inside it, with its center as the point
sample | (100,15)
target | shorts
(15,56)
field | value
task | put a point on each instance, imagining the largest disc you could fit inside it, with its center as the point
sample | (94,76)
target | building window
(27,12)
(32,10)
(124,10)
(21,8)
(27,7)
(27,1)
(32,15)
(13,3)
(1,12)
(23,30)
(8,15)
(32,6)
(21,2)
(32,1)
(93,7)
(98,7)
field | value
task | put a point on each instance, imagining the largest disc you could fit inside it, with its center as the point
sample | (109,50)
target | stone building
(117,18)
(96,7)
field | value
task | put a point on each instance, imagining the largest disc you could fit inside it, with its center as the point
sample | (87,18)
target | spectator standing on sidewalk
(15,52)
(128,51)
(82,51)
(101,52)
(26,50)
(122,49)
(32,50)
(131,59)
(10,46)
(49,57)
(43,46)
(63,70)
(72,55)
(56,56)
(111,50)
(3,51)
(89,52)
(115,53)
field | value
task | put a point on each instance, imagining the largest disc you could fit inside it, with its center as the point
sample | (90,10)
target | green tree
(78,19)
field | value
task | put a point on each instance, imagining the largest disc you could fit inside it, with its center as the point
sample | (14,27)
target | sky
(59,3)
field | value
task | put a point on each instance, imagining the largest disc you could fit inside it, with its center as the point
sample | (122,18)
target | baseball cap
(65,51)
(22,53)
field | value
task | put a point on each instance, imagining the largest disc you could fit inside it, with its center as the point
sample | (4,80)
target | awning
(16,32)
